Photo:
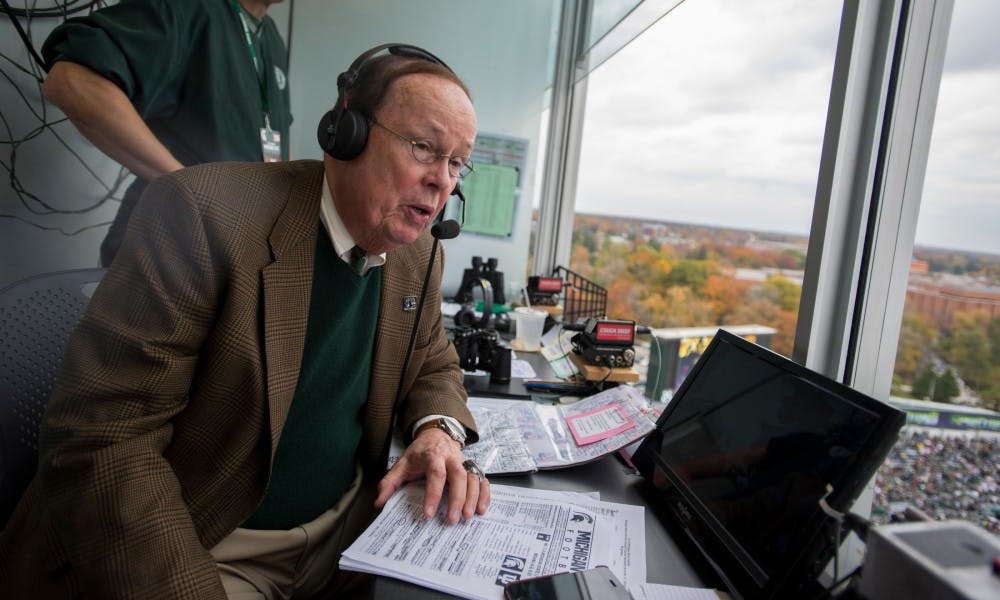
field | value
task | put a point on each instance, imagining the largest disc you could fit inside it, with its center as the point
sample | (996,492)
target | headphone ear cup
(325,131)
(351,136)
(343,133)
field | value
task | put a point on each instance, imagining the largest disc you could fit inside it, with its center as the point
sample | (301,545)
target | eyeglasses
(423,151)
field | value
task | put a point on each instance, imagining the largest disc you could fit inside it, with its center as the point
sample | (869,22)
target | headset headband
(348,78)
(343,132)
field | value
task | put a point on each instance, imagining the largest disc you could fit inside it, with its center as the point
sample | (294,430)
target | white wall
(49,172)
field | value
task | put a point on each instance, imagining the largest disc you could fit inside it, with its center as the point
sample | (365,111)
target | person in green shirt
(158,85)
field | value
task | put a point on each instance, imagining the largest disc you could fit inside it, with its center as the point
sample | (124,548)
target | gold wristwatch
(444,425)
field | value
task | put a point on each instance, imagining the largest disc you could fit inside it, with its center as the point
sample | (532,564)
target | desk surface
(665,561)
(480,385)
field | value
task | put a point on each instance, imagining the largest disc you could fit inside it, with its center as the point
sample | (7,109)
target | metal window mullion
(894,222)
(844,184)
(556,206)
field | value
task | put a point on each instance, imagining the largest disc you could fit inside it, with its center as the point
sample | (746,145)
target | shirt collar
(342,240)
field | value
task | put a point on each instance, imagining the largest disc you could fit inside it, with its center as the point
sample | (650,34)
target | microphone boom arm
(443,230)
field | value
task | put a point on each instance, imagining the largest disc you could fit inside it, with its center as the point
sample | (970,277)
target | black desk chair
(37,316)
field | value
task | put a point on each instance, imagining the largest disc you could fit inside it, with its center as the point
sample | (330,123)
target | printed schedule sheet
(525,533)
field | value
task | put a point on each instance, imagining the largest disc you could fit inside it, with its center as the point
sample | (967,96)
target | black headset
(343,132)
(466,315)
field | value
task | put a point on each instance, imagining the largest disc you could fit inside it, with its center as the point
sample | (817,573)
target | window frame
(887,73)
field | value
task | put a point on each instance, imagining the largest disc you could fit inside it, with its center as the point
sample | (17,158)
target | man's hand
(438,458)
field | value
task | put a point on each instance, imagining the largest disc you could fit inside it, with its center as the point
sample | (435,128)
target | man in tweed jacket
(174,403)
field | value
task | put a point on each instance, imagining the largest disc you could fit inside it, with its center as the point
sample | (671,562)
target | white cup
(530,322)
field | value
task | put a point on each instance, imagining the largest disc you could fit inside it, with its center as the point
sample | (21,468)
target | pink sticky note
(599,424)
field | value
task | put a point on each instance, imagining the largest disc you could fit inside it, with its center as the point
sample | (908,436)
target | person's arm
(105,116)
(118,506)
(434,455)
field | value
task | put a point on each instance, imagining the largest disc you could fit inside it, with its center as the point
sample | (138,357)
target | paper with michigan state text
(522,436)
(525,533)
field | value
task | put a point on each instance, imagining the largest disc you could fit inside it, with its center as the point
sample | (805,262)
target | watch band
(445,426)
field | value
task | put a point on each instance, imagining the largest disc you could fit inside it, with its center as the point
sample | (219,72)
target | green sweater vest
(314,463)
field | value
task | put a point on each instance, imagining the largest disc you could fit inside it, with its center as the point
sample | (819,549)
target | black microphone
(445,230)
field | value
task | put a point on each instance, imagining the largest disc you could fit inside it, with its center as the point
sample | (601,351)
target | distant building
(940,301)
(919,267)
(763,274)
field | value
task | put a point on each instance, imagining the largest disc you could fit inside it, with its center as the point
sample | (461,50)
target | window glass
(949,342)
(613,24)
(606,14)
(699,160)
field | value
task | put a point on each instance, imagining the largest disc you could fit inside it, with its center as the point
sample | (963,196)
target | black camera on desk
(481,350)
(478,345)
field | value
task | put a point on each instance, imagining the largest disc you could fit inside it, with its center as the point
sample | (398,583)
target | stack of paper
(518,436)
(522,436)
(525,533)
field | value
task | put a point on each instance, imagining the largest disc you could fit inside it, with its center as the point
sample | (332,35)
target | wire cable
(25,78)
(831,589)
(24,36)
(60,9)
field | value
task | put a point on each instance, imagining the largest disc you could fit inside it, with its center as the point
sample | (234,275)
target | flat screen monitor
(745,450)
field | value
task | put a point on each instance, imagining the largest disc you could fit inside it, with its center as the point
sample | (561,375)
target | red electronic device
(606,342)
(614,332)
(544,290)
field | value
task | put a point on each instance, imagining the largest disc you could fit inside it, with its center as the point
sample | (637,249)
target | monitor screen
(745,450)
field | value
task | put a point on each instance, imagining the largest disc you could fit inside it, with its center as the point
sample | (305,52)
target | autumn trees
(695,276)
(685,282)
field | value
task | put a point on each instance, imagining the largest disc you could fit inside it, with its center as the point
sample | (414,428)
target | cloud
(716,114)
(977,47)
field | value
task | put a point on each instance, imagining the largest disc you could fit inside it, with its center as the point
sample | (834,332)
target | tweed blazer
(159,438)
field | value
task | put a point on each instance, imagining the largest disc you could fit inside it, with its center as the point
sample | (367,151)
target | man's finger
(388,485)
(458,483)
(471,496)
(484,497)
(435,488)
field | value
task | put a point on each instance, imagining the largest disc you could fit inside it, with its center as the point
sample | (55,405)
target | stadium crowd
(944,476)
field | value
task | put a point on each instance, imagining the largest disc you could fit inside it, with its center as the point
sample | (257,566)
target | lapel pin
(409,303)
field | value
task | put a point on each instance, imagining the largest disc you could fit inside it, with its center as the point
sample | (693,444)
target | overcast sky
(716,113)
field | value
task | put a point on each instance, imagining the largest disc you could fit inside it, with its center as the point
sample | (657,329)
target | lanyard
(261,73)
